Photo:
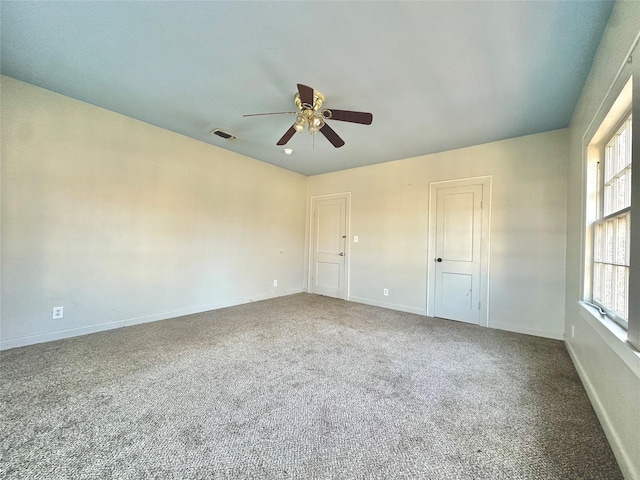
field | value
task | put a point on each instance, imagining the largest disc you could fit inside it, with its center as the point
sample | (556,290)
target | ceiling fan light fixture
(316,122)
(300,123)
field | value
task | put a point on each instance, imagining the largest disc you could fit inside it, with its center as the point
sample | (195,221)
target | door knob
(341,254)
(438,259)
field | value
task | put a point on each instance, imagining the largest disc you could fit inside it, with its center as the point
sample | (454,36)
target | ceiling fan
(310,117)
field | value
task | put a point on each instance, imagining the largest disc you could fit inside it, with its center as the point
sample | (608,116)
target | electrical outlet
(57,313)
(355,239)
(275,283)
(385,292)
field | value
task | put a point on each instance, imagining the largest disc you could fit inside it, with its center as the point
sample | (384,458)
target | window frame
(607,131)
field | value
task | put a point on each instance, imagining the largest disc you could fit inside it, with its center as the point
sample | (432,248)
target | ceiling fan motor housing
(318,100)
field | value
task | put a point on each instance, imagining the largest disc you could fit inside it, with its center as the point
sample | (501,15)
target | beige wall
(609,367)
(389,213)
(121,222)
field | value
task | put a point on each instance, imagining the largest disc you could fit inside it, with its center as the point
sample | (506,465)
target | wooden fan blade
(270,113)
(287,136)
(332,136)
(306,94)
(363,118)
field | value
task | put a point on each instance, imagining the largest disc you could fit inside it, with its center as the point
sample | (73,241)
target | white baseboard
(390,306)
(624,460)
(527,331)
(499,326)
(101,327)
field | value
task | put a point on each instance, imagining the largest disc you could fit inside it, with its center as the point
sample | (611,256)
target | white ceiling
(435,75)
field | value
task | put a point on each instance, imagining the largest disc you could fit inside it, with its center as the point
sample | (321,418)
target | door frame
(347,244)
(485,237)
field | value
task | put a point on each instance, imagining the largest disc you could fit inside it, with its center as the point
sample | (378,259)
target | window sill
(613,335)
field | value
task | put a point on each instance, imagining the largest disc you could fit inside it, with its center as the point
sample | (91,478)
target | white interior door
(457,253)
(328,254)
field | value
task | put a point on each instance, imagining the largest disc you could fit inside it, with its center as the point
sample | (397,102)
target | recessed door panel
(457,234)
(328,275)
(329,223)
(459,288)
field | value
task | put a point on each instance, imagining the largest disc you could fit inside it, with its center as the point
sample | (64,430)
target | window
(609,210)
(611,229)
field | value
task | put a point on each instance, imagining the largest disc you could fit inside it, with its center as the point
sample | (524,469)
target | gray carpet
(299,387)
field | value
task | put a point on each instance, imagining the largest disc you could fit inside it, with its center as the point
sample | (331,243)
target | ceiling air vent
(223,134)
